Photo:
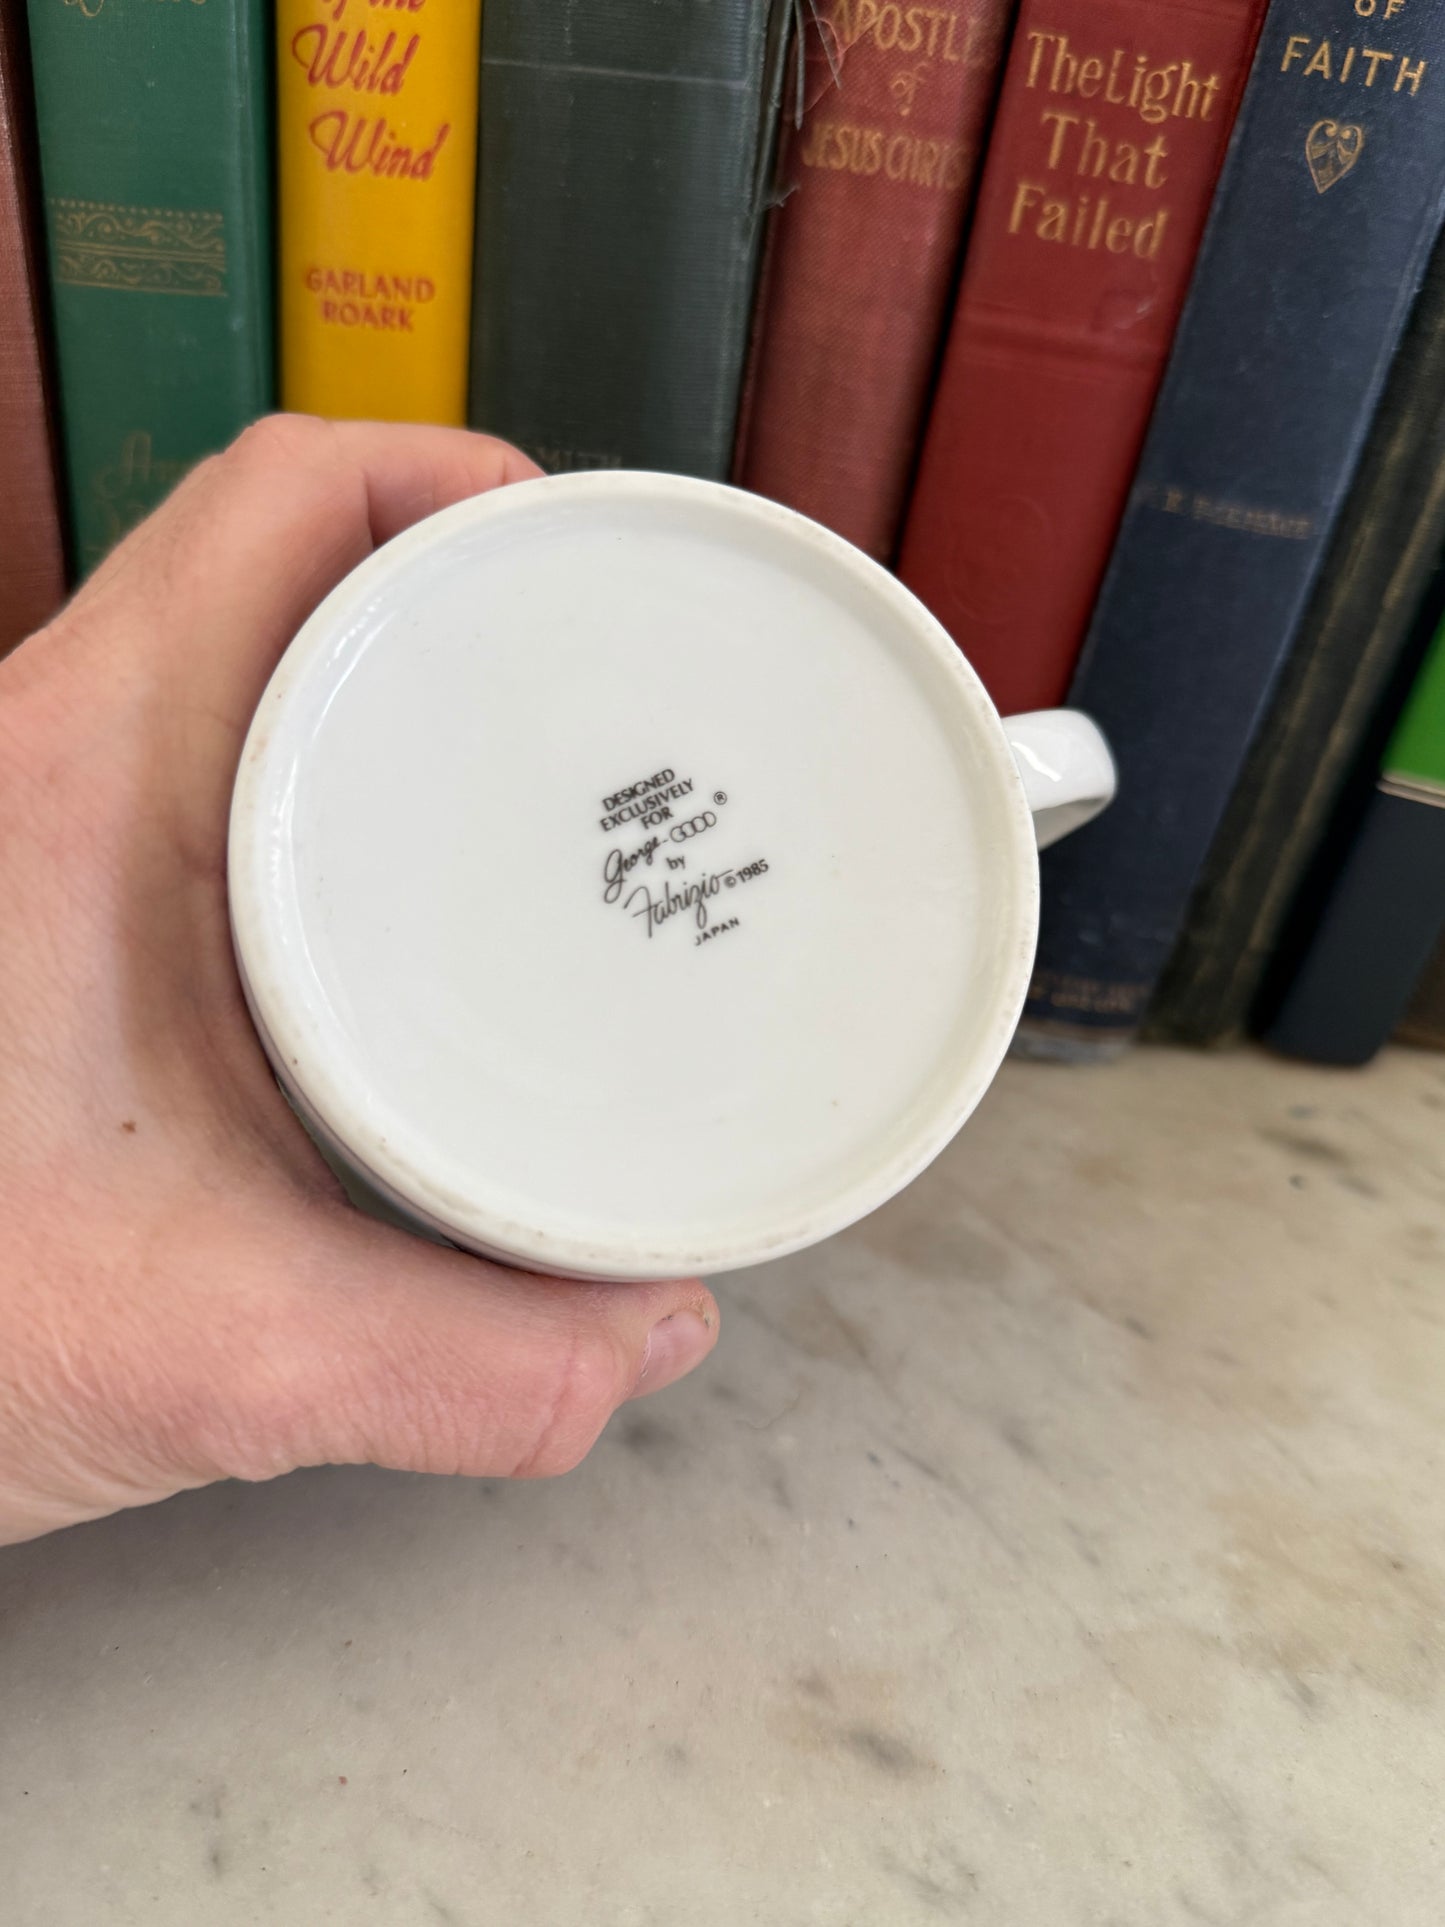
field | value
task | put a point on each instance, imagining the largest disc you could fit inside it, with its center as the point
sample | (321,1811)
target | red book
(31,576)
(1111,128)
(861,254)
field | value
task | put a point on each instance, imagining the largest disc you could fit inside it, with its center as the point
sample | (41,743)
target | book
(1111,127)
(1424,1020)
(1385,908)
(154,159)
(872,184)
(625,153)
(376,110)
(1326,214)
(1362,624)
(32,573)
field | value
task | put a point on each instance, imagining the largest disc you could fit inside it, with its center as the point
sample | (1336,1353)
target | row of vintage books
(1117,327)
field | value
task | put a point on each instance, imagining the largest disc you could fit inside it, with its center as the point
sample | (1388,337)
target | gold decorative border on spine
(142,250)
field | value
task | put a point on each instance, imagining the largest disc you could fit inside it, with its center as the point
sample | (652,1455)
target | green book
(155,160)
(625,150)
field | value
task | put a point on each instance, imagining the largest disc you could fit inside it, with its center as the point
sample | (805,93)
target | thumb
(408,1355)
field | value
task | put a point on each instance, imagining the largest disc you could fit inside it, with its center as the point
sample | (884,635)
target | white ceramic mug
(631,879)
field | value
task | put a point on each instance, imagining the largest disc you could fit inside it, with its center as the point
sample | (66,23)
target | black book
(1371,935)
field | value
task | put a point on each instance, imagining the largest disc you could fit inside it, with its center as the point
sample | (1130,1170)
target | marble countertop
(1063,1546)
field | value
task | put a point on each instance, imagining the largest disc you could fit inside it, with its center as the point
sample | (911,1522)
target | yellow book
(376,115)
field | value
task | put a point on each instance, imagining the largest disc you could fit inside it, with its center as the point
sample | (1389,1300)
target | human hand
(184,1293)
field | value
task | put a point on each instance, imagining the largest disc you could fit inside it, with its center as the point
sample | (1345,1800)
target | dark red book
(861,256)
(32,578)
(1111,128)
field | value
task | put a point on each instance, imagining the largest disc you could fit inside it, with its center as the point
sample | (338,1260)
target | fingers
(406,1355)
(219,579)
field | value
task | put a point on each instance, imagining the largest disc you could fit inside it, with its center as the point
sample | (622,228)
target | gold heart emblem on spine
(1332,147)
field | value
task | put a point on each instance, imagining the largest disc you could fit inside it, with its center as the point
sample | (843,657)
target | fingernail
(674,1345)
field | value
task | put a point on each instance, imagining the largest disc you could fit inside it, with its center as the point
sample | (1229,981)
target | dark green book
(155,158)
(625,150)
(1361,631)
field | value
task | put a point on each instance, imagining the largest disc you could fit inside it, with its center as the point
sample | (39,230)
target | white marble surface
(1063,1546)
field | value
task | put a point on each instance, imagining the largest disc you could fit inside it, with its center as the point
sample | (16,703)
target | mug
(630,879)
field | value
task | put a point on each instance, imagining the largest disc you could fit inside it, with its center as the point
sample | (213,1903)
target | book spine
(154,157)
(32,574)
(624,152)
(1386,908)
(1326,212)
(873,185)
(376,110)
(1111,127)
(1360,627)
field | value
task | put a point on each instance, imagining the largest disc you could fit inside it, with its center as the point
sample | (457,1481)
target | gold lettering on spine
(1323,61)
(1276,523)
(1156,93)
(929,36)
(1078,145)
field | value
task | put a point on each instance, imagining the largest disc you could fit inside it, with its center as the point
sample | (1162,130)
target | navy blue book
(1327,209)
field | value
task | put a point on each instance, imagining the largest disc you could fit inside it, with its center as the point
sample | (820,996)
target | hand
(184,1293)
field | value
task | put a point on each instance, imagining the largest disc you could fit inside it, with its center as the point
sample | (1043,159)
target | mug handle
(1067,769)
